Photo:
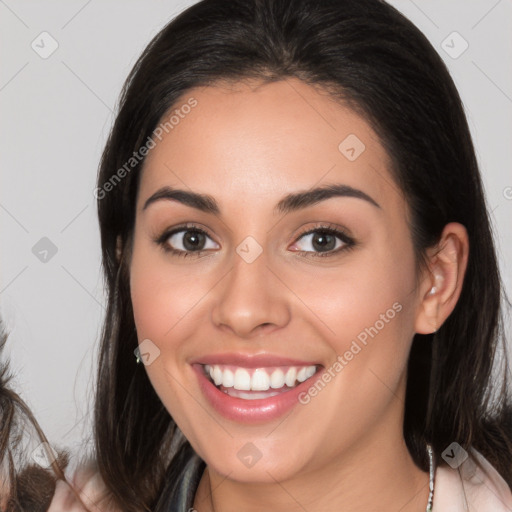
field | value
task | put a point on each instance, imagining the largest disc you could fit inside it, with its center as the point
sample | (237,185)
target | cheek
(160,299)
(365,311)
(166,301)
(161,295)
(148,301)
(371,291)
(366,314)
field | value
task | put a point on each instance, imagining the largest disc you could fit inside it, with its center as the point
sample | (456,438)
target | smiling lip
(251,411)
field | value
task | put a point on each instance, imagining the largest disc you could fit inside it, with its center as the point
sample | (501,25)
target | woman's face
(261,292)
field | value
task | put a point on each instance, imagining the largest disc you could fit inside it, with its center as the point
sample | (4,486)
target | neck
(370,477)
(375,472)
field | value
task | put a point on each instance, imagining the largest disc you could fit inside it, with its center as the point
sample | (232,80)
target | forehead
(260,141)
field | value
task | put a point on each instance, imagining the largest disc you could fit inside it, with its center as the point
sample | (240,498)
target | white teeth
(301,375)
(277,379)
(291,377)
(242,379)
(262,379)
(310,371)
(216,374)
(228,379)
(305,373)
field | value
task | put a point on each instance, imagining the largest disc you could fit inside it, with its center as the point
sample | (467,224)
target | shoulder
(469,488)
(85,488)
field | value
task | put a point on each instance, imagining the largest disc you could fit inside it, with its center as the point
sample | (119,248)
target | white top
(468,489)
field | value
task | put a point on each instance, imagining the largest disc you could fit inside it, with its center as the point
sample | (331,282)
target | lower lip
(250,411)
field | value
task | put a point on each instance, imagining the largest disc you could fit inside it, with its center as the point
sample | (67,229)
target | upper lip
(251,360)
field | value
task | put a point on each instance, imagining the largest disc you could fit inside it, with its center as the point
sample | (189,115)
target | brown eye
(190,240)
(323,241)
(186,240)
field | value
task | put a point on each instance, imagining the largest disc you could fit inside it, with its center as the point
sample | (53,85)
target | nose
(251,299)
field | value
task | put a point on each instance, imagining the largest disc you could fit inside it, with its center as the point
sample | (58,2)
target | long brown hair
(24,485)
(369,56)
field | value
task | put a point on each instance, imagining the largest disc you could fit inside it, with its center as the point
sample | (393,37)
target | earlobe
(442,283)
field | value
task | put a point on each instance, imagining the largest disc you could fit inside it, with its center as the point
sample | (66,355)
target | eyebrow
(290,203)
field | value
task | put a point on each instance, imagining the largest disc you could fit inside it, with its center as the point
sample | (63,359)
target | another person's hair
(24,485)
(368,56)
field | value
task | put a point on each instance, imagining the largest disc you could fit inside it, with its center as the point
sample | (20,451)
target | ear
(441,283)
(119,248)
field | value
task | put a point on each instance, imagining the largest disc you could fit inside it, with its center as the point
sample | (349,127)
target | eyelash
(349,243)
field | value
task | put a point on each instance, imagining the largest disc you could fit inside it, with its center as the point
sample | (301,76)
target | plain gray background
(56,114)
